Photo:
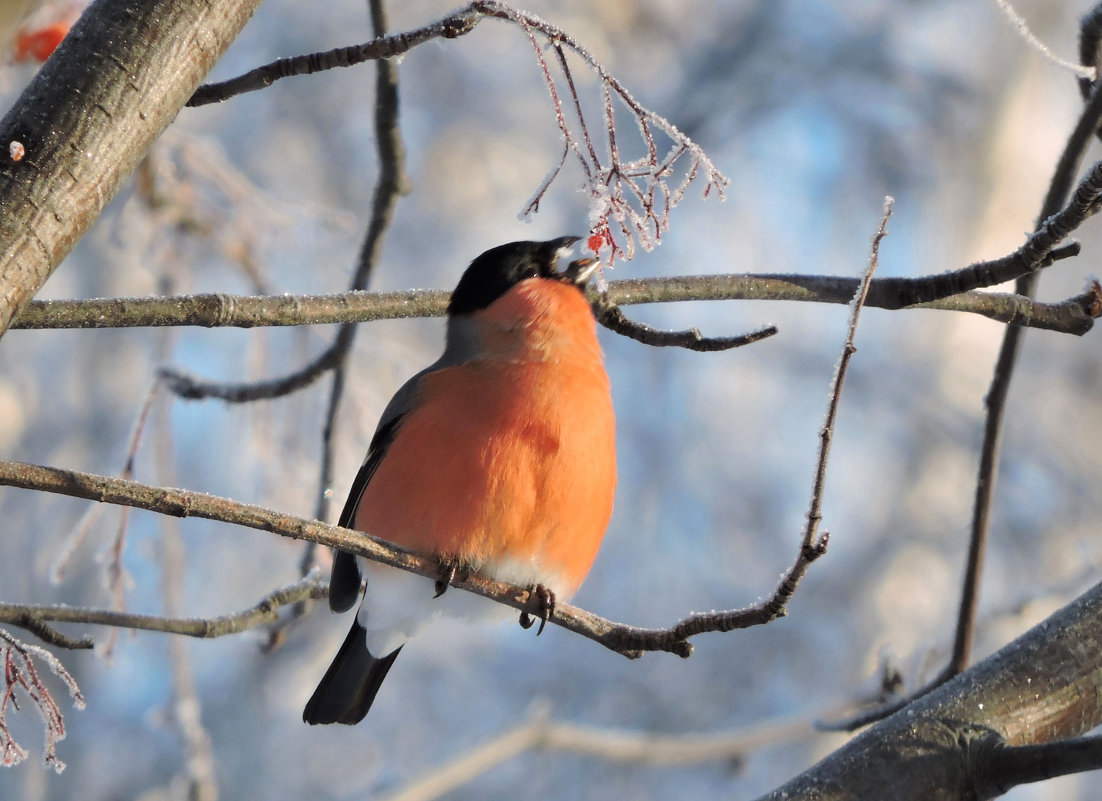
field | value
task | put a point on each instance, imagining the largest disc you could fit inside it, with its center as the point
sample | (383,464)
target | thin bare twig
(811,542)
(814,545)
(33,616)
(452,26)
(189,387)
(1018,21)
(80,531)
(389,185)
(198,769)
(115,577)
(1061,184)
(612,318)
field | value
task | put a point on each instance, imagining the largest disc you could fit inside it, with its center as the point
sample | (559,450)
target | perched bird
(500,456)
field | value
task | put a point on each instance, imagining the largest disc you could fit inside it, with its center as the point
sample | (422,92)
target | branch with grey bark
(958,741)
(88,117)
(631,641)
(38,618)
(218,310)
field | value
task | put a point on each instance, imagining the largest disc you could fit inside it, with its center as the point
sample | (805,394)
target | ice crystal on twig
(629,198)
(17,659)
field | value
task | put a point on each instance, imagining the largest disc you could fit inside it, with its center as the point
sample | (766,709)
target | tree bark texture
(1042,687)
(89,116)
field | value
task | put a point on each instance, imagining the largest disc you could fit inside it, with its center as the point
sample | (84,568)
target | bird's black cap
(499,269)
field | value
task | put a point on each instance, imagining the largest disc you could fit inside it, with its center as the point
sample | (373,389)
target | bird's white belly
(398,605)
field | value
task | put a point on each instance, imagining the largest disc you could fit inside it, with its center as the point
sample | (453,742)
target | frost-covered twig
(1018,21)
(629,199)
(812,541)
(17,661)
(115,577)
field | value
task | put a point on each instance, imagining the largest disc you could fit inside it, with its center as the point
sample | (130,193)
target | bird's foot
(545,607)
(450,568)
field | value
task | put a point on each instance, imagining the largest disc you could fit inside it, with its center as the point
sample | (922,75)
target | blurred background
(815,111)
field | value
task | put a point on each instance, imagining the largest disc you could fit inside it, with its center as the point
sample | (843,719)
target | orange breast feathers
(508,461)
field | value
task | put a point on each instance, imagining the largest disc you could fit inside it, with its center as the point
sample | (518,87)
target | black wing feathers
(344,583)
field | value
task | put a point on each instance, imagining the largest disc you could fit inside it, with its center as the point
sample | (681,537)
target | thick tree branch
(88,117)
(998,767)
(1043,687)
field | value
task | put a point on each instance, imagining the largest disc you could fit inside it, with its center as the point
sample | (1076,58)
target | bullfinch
(500,456)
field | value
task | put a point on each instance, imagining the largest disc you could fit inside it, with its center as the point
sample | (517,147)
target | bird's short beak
(580,271)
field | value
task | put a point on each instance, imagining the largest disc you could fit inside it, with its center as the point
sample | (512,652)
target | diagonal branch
(628,640)
(812,543)
(1043,686)
(89,116)
(190,387)
(452,26)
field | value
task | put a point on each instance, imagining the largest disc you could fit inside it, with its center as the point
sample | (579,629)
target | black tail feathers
(351,683)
